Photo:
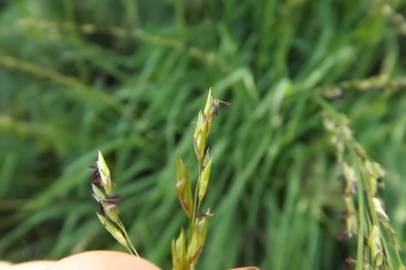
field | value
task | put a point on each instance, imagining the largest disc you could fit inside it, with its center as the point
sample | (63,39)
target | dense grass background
(128,77)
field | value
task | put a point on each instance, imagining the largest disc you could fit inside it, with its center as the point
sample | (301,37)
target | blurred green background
(128,77)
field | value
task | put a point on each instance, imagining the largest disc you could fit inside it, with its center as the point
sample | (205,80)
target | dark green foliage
(128,78)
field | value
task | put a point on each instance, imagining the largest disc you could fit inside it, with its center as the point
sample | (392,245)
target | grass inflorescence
(102,187)
(187,247)
(364,215)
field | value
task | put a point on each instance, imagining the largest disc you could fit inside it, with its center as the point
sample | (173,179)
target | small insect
(208,214)
(217,103)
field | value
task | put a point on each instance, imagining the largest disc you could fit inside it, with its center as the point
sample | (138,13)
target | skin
(103,260)
(93,260)
(4,265)
(90,260)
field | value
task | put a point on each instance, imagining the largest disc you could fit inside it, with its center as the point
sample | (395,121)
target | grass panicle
(188,246)
(102,187)
(364,215)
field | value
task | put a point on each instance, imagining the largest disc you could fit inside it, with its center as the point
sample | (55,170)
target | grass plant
(364,215)
(187,248)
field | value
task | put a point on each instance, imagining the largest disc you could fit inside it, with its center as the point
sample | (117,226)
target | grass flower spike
(188,246)
(108,204)
(364,216)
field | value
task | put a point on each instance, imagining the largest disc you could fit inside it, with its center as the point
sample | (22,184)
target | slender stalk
(131,245)
(360,242)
